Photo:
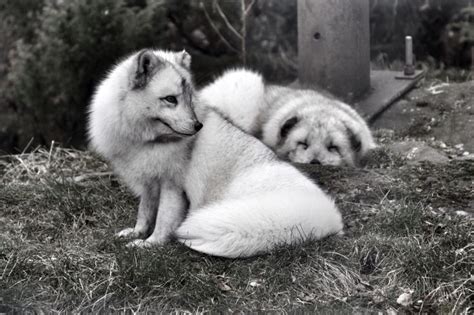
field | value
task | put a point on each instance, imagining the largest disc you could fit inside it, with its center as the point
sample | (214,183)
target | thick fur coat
(301,126)
(215,188)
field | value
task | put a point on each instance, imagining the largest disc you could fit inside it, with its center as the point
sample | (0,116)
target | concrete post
(334,46)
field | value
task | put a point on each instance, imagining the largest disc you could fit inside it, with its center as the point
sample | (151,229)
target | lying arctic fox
(219,191)
(302,126)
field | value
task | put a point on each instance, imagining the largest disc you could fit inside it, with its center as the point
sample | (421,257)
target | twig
(27,145)
(244,13)
(226,20)
(216,29)
(250,6)
(50,154)
(243,32)
(83,177)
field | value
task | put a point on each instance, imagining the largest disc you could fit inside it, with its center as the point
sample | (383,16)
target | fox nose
(315,161)
(197,126)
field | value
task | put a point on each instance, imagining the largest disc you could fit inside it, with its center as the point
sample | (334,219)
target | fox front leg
(149,201)
(173,205)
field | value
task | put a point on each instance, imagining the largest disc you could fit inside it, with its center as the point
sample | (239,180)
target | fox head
(332,140)
(158,103)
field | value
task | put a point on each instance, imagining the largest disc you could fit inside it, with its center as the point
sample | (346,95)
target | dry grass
(59,209)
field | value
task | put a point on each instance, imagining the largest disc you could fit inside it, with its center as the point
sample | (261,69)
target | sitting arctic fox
(215,188)
(302,126)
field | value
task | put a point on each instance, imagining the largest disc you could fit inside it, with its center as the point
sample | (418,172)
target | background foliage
(53,52)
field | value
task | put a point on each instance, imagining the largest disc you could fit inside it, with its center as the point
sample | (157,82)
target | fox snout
(197,126)
(189,128)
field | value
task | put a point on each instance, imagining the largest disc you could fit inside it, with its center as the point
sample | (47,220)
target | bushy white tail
(256,224)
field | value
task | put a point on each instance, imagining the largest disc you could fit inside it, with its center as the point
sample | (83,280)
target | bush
(54,68)
(426,21)
(53,76)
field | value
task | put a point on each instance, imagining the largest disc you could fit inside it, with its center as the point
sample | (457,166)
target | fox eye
(333,148)
(170,99)
(302,144)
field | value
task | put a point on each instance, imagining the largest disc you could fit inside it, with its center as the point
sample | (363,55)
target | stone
(417,151)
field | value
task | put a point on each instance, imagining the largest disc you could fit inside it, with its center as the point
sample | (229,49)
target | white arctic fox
(218,191)
(302,126)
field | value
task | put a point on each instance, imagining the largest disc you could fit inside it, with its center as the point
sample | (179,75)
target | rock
(224,287)
(466,157)
(416,151)
(405,299)
(256,283)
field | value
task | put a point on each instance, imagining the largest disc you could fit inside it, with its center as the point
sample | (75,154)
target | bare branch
(216,29)
(247,10)
(226,20)
(243,41)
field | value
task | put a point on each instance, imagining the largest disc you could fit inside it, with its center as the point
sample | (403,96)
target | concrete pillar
(334,46)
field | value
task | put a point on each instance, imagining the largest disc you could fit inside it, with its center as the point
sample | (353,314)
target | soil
(439,114)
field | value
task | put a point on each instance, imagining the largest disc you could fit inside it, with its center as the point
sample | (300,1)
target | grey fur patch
(187,91)
(148,65)
(166,139)
(185,61)
(354,140)
(287,126)
(148,208)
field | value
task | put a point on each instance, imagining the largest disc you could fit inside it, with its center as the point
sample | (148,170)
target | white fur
(239,93)
(323,119)
(257,204)
(242,200)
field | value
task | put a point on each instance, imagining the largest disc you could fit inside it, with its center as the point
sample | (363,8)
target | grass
(59,209)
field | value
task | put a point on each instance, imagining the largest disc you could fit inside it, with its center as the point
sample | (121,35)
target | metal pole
(409,60)
(334,46)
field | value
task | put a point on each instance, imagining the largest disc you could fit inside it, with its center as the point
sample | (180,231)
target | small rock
(406,299)
(223,286)
(416,151)
(255,283)
(467,157)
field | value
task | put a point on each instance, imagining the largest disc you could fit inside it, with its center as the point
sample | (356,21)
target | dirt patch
(440,113)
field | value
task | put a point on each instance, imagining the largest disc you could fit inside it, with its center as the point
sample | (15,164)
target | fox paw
(127,233)
(141,244)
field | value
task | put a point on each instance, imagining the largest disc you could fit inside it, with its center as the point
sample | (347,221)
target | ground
(408,245)
(439,114)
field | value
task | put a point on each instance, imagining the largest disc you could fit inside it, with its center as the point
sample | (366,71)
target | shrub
(53,76)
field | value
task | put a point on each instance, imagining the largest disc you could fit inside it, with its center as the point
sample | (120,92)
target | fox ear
(287,126)
(147,64)
(184,59)
(354,140)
